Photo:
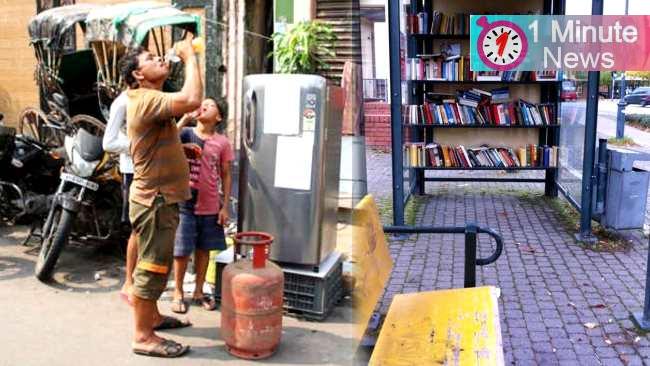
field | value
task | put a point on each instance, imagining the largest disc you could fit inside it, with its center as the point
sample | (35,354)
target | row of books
(438,67)
(433,155)
(438,23)
(547,75)
(457,68)
(453,112)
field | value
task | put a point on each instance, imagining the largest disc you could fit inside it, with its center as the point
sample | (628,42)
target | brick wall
(17,62)
(377,125)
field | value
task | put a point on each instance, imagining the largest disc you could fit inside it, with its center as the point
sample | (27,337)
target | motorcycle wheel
(55,235)
(89,123)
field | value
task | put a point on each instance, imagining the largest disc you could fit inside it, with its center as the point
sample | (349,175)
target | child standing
(203,216)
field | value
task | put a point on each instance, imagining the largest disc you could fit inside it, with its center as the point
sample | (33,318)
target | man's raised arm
(189,97)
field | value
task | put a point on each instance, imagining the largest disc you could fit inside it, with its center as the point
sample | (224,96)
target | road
(607,120)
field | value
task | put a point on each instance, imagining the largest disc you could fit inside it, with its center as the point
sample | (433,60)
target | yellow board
(448,327)
(211,272)
(371,260)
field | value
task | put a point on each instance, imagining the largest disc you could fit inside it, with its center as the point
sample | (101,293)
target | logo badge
(501,45)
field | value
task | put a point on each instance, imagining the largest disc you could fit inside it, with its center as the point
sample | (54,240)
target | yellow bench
(446,327)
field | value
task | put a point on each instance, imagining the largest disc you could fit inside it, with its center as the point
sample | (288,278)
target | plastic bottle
(198,45)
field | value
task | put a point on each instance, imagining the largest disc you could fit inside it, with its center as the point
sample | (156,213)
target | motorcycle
(28,173)
(87,202)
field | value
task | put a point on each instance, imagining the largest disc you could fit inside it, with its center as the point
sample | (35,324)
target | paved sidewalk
(79,320)
(560,304)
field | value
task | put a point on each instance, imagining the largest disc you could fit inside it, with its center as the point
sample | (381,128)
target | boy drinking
(203,216)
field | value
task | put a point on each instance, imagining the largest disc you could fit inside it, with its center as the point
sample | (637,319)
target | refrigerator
(289,164)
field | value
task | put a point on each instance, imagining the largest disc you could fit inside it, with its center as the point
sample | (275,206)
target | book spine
(521,153)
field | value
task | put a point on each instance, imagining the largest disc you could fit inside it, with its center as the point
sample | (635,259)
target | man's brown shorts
(155,227)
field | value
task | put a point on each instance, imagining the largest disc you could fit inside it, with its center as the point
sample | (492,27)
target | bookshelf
(477,126)
(482,82)
(418,36)
(485,168)
(434,70)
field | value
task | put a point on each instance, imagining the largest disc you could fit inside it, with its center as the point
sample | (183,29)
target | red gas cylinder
(251,300)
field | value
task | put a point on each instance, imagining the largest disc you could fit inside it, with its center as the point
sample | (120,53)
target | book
(449,24)
(488,76)
(547,75)
(434,155)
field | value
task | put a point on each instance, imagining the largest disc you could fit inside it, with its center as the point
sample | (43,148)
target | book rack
(431,57)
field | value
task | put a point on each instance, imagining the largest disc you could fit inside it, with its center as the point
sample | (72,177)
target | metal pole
(642,320)
(591,123)
(620,117)
(395,111)
(471,231)
(601,181)
(470,255)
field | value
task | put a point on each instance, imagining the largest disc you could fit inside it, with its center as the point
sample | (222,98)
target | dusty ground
(78,320)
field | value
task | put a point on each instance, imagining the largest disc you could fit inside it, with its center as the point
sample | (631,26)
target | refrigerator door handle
(250,119)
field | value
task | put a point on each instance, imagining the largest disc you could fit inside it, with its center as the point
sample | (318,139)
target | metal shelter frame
(554,7)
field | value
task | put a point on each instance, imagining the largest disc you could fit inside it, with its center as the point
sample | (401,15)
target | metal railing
(470,231)
(375,90)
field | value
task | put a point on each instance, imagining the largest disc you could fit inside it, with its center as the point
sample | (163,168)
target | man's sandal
(166,349)
(205,301)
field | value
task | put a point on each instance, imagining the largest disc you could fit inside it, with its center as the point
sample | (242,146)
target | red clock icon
(501,45)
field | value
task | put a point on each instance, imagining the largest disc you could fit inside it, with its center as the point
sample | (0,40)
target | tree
(644,75)
(605,78)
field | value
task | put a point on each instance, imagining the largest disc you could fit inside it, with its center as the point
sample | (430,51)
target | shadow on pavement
(13,267)
(299,346)
(12,234)
(85,268)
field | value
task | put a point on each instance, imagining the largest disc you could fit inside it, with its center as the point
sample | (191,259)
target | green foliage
(580,75)
(605,78)
(645,75)
(624,141)
(298,50)
(640,120)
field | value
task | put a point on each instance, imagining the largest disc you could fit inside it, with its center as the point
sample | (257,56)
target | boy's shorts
(155,227)
(198,232)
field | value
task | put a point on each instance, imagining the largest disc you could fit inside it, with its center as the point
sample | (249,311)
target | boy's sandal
(169,322)
(179,306)
(167,349)
(207,302)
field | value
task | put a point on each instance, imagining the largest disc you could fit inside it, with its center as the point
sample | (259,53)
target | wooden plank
(447,327)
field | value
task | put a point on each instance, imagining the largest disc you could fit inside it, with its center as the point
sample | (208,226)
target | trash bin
(627,190)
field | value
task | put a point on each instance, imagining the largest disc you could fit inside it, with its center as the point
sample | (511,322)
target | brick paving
(550,286)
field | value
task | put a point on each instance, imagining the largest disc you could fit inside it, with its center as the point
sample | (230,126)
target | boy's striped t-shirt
(205,172)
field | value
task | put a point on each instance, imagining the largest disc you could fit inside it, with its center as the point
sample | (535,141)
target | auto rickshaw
(65,75)
(153,25)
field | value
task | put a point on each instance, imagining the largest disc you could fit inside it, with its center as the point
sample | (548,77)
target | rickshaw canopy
(51,25)
(129,23)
